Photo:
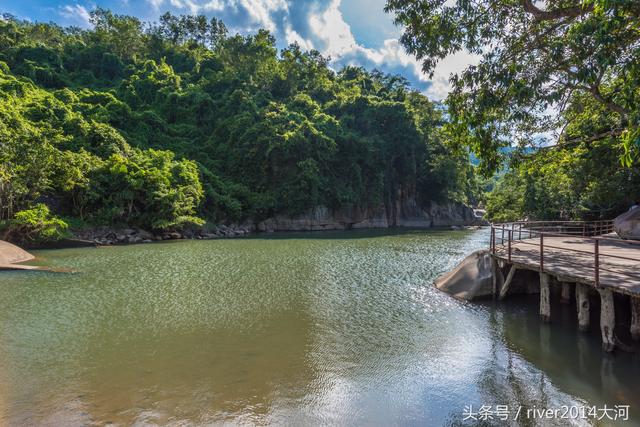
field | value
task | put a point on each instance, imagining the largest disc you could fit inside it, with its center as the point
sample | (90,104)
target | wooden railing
(593,233)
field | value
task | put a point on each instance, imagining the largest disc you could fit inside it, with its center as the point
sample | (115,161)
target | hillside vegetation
(175,123)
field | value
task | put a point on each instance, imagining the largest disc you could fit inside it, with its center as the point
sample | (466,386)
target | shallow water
(297,329)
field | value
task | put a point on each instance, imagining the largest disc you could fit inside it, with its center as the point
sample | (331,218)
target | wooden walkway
(584,256)
(571,259)
(587,258)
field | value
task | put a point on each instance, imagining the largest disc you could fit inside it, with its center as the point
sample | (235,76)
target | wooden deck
(571,259)
(583,256)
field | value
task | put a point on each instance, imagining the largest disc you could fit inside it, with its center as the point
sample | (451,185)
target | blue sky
(355,32)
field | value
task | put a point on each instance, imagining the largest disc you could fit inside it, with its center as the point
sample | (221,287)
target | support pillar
(545,298)
(582,303)
(565,298)
(498,277)
(635,318)
(507,283)
(607,319)
(494,276)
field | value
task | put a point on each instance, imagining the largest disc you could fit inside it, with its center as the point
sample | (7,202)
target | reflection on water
(333,328)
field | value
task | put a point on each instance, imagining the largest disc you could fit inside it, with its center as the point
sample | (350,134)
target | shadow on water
(366,233)
(571,360)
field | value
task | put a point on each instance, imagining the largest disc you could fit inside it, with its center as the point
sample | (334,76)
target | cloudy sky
(356,32)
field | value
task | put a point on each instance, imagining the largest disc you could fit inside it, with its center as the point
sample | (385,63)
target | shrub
(36,225)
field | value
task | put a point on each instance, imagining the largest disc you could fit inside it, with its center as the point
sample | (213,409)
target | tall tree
(537,58)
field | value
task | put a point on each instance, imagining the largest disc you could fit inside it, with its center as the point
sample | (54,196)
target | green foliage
(165,126)
(146,188)
(37,225)
(536,58)
(585,182)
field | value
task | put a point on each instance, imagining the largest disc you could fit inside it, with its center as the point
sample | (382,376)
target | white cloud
(330,28)
(335,38)
(332,36)
(450,65)
(260,11)
(292,36)
(155,3)
(78,14)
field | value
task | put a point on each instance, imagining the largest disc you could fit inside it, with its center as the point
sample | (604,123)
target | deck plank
(572,259)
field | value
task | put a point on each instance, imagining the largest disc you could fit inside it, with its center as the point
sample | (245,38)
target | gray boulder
(627,225)
(472,278)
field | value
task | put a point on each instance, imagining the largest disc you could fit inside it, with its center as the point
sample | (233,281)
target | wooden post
(635,318)
(565,298)
(607,319)
(494,276)
(507,283)
(510,235)
(545,298)
(597,262)
(582,302)
(541,253)
(493,240)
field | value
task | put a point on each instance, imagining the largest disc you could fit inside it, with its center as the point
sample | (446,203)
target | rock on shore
(406,213)
(403,214)
(627,225)
(115,236)
(11,254)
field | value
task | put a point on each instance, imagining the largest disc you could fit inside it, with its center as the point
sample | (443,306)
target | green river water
(293,329)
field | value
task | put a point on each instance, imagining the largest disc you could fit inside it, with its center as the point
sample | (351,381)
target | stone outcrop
(117,236)
(405,214)
(627,225)
(472,278)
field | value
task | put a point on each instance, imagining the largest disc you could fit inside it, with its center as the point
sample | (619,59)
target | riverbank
(406,215)
(125,236)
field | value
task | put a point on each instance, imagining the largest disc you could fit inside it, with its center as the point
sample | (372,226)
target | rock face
(405,214)
(472,278)
(627,225)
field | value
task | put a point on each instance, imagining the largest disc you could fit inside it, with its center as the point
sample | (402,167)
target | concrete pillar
(635,318)
(607,319)
(494,277)
(545,298)
(565,298)
(582,303)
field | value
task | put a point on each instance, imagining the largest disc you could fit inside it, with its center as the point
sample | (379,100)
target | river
(296,329)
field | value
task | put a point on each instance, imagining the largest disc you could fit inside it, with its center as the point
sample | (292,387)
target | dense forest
(175,123)
(564,72)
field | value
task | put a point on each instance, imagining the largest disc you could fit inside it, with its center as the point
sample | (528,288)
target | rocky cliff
(403,214)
